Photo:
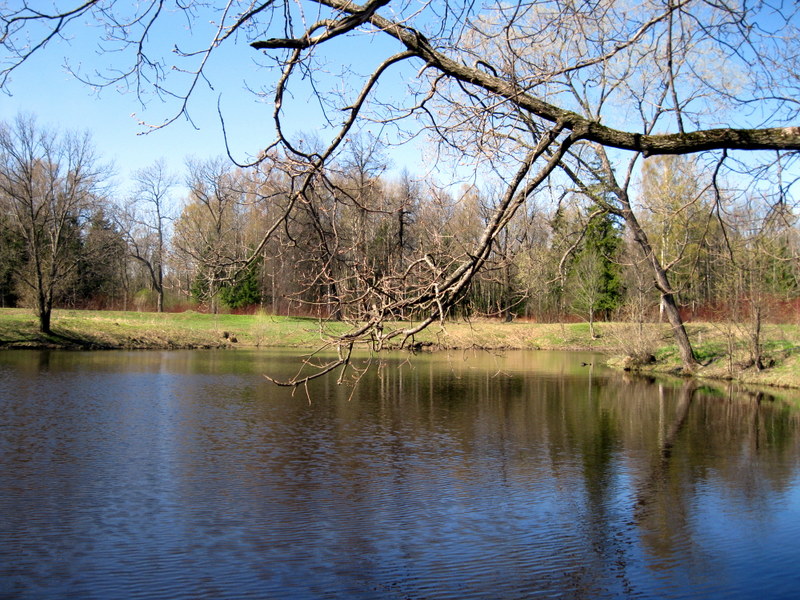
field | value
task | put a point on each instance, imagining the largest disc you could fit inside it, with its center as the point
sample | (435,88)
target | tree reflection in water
(467,475)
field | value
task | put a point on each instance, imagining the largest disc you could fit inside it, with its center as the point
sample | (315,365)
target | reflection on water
(463,475)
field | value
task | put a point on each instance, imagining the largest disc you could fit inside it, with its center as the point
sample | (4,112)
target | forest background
(562,261)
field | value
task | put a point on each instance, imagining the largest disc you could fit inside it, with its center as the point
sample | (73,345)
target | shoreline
(722,353)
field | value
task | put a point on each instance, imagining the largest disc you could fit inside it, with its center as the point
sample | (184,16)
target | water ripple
(183,475)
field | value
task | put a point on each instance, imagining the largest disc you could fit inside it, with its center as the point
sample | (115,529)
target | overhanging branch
(775,138)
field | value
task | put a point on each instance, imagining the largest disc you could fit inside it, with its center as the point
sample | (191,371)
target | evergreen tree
(246,291)
(11,254)
(595,278)
(101,270)
(604,238)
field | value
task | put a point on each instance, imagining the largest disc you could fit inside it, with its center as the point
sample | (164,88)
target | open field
(721,348)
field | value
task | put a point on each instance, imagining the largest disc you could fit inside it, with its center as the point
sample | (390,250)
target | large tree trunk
(44,303)
(44,319)
(160,289)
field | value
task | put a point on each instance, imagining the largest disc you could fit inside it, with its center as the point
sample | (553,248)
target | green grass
(117,329)
(708,352)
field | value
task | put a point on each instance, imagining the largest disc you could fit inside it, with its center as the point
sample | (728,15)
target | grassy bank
(75,329)
(88,329)
(724,354)
(721,349)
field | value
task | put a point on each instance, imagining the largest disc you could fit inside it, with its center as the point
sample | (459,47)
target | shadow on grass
(71,339)
(58,338)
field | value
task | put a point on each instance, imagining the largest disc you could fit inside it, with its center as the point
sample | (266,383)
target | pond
(186,474)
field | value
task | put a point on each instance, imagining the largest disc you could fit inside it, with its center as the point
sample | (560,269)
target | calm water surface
(187,475)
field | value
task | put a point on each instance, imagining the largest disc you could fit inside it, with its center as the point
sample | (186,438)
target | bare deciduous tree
(50,181)
(210,229)
(144,220)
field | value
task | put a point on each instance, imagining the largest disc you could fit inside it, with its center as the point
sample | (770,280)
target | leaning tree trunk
(662,284)
(668,304)
(674,317)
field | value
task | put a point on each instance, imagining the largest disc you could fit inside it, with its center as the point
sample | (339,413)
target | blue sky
(43,87)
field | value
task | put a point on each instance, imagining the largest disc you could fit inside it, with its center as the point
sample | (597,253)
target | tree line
(70,240)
